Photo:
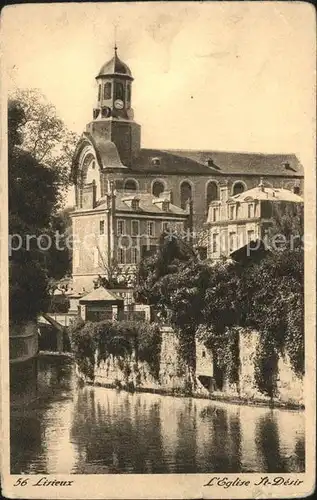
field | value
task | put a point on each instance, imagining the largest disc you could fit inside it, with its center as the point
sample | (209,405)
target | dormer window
(156,161)
(135,204)
(162,203)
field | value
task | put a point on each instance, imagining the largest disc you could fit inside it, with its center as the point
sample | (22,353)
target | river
(77,429)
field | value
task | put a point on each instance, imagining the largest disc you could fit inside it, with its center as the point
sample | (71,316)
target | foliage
(115,276)
(45,136)
(118,339)
(34,199)
(266,296)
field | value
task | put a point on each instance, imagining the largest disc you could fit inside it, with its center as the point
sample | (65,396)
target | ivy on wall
(265,295)
(118,339)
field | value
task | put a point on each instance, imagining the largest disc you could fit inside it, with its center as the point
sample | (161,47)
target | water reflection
(74,429)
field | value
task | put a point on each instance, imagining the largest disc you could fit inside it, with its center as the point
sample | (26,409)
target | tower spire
(115,39)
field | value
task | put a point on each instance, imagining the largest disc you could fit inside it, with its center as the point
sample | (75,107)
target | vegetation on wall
(216,299)
(94,342)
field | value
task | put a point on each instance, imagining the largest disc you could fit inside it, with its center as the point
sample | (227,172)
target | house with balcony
(244,219)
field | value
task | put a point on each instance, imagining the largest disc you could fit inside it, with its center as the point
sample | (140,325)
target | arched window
(119,91)
(186,193)
(238,188)
(130,185)
(128,95)
(107,91)
(212,193)
(99,92)
(158,188)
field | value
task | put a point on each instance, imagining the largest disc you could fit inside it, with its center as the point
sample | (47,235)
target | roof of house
(262,192)
(191,162)
(147,204)
(100,294)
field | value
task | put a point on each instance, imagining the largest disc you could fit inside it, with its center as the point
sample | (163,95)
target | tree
(34,196)
(45,136)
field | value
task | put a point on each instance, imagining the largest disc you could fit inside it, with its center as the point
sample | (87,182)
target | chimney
(224,193)
(261,185)
(167,195)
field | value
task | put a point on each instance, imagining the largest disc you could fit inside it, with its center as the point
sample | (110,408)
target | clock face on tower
(118,104)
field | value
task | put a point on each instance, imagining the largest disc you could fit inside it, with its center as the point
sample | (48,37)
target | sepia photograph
(158,238)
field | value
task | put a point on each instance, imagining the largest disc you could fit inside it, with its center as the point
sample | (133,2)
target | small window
(297,190)
(165,227)
(93,165)
(135,228)
(102,227)
(156,161)
(214,242)
(232,241)
(238,188)
(128,94)
(107,91)
(150,228)
(165,206)
(99,92)
(120,227)
(250,211)
(203,354)
(134,255)
(185,193)
(130,185)
(119,91)
(121,255)
(135,204)
(157,188)
(215,214)
(231,212)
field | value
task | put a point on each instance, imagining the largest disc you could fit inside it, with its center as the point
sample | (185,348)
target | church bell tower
(113,118)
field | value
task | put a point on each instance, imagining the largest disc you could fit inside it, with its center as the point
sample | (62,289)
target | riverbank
(76,428)
(196,395)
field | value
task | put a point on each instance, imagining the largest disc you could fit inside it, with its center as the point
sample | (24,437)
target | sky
(233,76)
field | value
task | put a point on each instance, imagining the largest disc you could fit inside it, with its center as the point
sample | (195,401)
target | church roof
(115,67)
(191,162)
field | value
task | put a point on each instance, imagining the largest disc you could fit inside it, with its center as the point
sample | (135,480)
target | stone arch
(212,192)
(88,172)
(131,185)
(238,187)
(186,192)
(158,187)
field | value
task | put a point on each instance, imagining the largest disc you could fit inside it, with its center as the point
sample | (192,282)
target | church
(123,189)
